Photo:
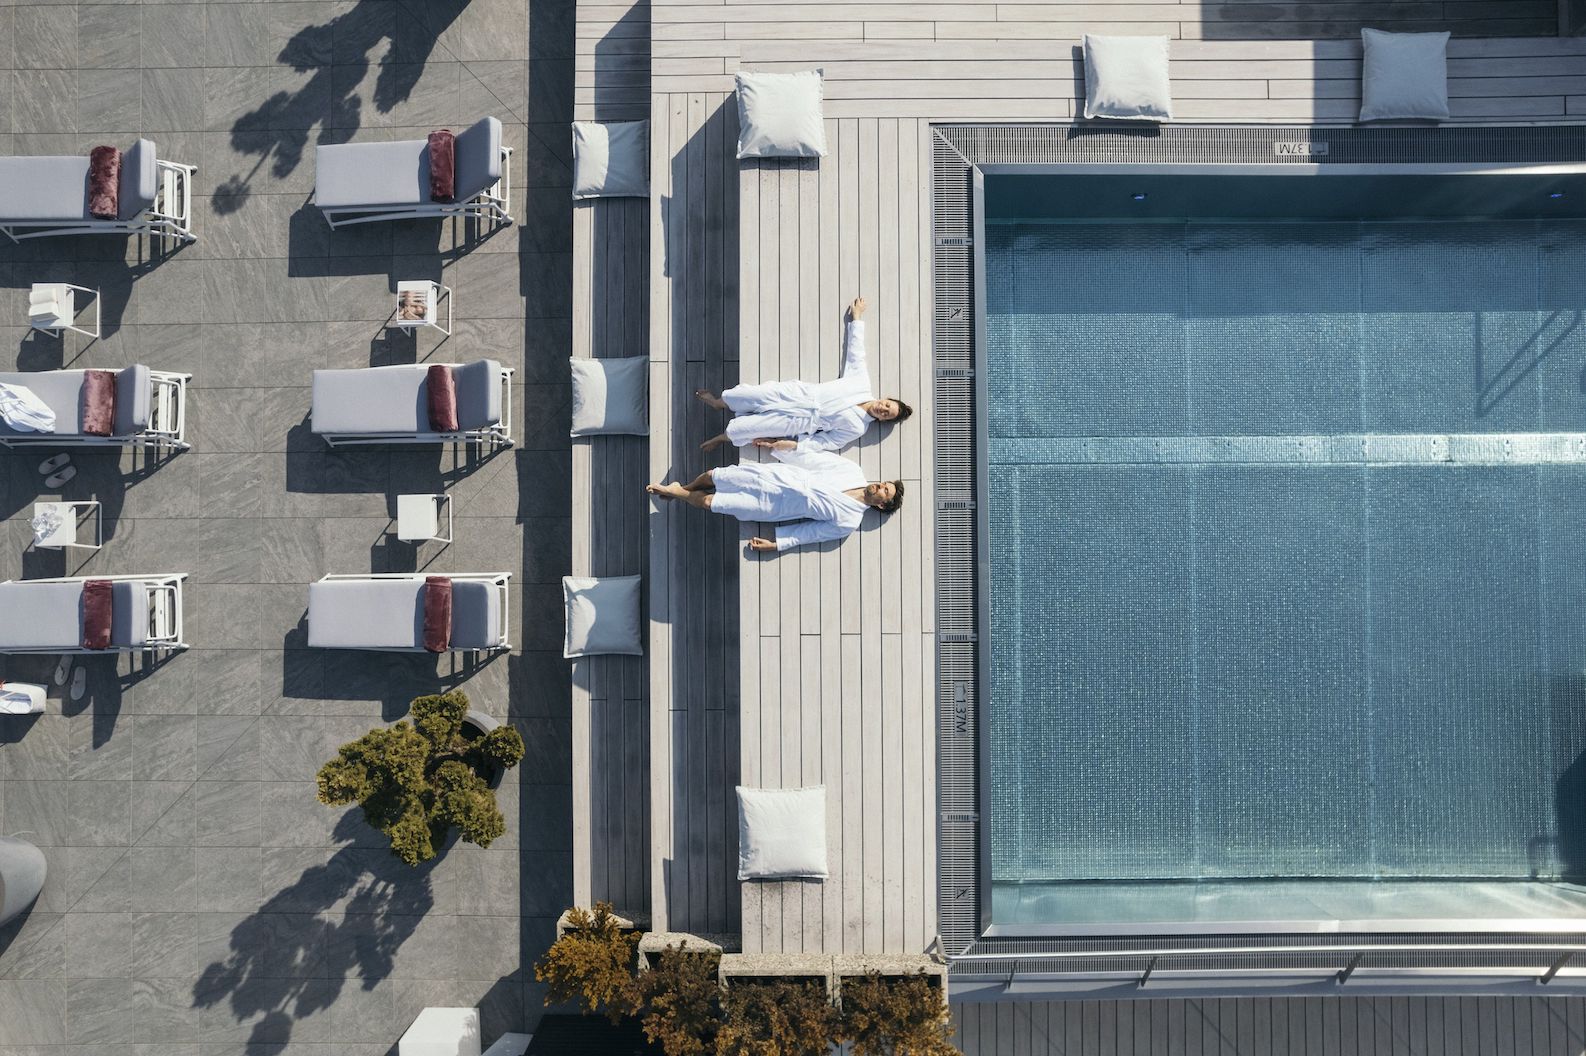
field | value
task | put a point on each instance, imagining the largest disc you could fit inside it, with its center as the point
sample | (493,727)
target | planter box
(634,923)
(892,966)
(655,942)
(745,967)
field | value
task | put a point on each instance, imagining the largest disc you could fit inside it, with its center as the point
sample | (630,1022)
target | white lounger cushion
(62,392)
(781,833)
(1404,76)
(372,400)
(1126,78)
(349,175)
(602,616)
(781,115)
(389,614)
(611,396)
(609,160)
(443,1032)
(56,187)
(50,615)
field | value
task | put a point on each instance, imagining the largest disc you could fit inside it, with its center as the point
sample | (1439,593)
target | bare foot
(712,444)
(709,399)
(666,491)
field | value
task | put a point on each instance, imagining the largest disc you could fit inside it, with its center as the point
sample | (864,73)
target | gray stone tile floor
(200,900)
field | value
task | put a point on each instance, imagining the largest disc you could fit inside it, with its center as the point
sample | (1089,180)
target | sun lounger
(151,409)
(46,615)
(386,612)
(358,183)
(45,196)
(388,405)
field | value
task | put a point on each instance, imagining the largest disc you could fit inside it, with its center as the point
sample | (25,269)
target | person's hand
(758,543)
(857,309)
(776,445)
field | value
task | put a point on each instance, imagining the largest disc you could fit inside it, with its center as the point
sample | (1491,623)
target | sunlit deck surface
(200,900)
(819,667)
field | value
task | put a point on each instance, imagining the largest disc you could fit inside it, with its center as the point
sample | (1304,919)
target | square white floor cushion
(781,115)
(1404,76)
(781,833)
(1126,78)
(610,160)
(611,396)
(602,616)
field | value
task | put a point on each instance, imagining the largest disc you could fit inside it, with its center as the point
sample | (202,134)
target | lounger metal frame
(171,215)
(167,426)
(500,433)
(499,580)
(491,204)
(164,616)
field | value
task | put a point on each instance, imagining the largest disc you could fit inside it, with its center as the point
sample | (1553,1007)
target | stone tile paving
(200,900)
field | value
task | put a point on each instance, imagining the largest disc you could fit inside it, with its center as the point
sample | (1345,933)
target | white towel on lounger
(24,411)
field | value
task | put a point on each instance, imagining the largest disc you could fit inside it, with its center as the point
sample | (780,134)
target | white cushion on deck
(611,396)
(781,115)
(1403,76)
(781,833)
(43,616)
(1126,78)
(610,160)
(602,616)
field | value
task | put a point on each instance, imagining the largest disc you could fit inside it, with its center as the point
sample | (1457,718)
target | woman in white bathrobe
(823,494)
(821,416)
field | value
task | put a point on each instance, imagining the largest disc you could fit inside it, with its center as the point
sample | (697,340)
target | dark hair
(904,410)
(897,499)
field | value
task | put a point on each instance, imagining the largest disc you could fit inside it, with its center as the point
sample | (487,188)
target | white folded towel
(23,411)
(46,523)
(20,698)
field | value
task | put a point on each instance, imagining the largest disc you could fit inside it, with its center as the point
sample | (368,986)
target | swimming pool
(1287,567)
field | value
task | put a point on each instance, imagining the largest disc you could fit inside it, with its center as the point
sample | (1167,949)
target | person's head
(890,409)
(885,495)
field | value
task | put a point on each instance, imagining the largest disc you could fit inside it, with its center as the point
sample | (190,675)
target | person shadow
(337,54)
(341,922)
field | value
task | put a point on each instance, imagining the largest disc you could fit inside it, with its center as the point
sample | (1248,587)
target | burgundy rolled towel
(437,614)
(98,611)
(104,183)
(443,165)
(99,402)
(441,394)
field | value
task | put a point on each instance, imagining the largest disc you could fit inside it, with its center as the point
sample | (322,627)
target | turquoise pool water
(1288,539)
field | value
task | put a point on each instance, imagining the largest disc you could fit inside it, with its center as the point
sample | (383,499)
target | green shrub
(416,782)
(895,1017)
(592,964)
(776,1017)
(681,1000)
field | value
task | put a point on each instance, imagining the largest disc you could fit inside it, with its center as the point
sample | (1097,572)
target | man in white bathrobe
(821,416)
(824,495)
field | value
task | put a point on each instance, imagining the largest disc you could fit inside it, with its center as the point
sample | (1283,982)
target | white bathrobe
(806,487)
(821,416)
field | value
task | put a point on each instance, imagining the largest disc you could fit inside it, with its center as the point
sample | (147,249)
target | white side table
(52,307)
(419,518)
(65,536)
(431,294)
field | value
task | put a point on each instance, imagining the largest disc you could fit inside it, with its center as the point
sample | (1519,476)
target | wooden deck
(838,641)
(1294,1026)
(818,667)
(611,699)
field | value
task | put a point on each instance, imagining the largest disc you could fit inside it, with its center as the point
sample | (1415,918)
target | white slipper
(50,465)
(79,683)
(60,479)
(63,669)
